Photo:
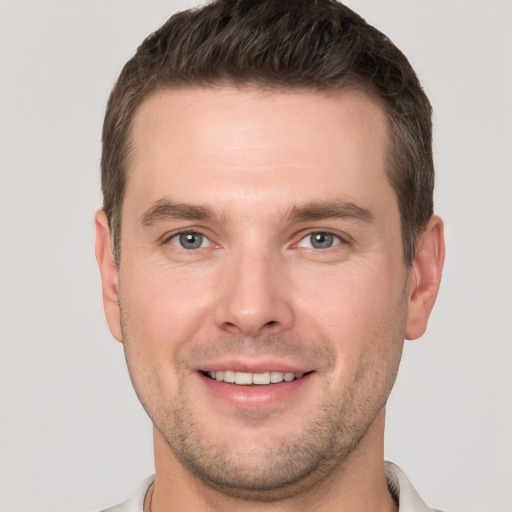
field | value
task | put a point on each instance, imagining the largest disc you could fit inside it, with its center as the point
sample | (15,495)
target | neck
(356,483)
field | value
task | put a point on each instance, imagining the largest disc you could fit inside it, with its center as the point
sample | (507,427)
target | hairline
(351,84)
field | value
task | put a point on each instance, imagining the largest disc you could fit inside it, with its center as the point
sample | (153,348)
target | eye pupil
(191,240)
(322,240)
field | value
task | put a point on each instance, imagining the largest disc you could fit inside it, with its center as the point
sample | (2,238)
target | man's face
(261,243)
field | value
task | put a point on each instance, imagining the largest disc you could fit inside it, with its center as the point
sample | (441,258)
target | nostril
(271,326)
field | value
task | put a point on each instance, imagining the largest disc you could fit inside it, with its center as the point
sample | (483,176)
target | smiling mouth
(249,379)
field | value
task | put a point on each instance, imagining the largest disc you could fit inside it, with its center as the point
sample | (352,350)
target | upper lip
(246,365)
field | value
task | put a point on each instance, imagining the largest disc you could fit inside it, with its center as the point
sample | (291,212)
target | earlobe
(425,277)
(109,274)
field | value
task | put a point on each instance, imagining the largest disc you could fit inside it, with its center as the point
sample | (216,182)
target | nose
(255,297)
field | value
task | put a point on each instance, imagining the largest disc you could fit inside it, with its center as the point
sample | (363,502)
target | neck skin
(358,483)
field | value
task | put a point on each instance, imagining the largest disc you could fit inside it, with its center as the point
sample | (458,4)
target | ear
(109,274)
(425,277)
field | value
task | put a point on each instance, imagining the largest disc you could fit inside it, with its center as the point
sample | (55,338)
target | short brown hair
(279,44)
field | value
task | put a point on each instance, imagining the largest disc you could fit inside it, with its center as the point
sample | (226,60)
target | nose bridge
(254,294)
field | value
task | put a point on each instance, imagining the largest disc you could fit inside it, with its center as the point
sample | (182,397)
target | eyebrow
(330,210)
(164,209)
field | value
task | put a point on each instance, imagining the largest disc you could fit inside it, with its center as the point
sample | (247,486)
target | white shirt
(398,484)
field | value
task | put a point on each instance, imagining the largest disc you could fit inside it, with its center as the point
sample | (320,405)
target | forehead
(203,144)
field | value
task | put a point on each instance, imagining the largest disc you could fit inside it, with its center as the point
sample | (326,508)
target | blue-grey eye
(189,241)
(320,240)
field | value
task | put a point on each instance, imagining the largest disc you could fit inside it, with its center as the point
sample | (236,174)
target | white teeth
(243,378)
(229,376)
(259,379)
(276,377)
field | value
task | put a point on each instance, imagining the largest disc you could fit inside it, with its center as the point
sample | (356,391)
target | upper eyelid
(167,236)
(338,240)
(305,233)
(166,241)
(297,238)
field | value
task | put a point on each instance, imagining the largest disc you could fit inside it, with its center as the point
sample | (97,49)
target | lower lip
(254,397)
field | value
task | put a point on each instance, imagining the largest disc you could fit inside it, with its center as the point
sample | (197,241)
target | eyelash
(335,239)
(179,234)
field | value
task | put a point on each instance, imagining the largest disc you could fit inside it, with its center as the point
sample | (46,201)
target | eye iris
(191,240)
(322,240)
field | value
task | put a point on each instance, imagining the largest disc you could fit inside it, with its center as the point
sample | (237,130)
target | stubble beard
(274,469)
(284,466)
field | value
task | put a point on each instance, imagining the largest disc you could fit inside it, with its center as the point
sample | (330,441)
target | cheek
(160,313)
(359,310)
(352,298)
(163,308)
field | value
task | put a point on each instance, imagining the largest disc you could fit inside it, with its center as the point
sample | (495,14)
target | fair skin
(261,239)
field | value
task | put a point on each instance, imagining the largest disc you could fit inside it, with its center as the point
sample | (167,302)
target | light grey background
(72,434)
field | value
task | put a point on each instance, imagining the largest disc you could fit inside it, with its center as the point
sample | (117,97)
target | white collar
(398,484)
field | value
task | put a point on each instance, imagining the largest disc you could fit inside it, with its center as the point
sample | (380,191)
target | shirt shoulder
(403,491)
(136,502)
(398,483)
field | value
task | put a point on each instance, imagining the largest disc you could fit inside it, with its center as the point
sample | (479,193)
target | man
(266,244)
